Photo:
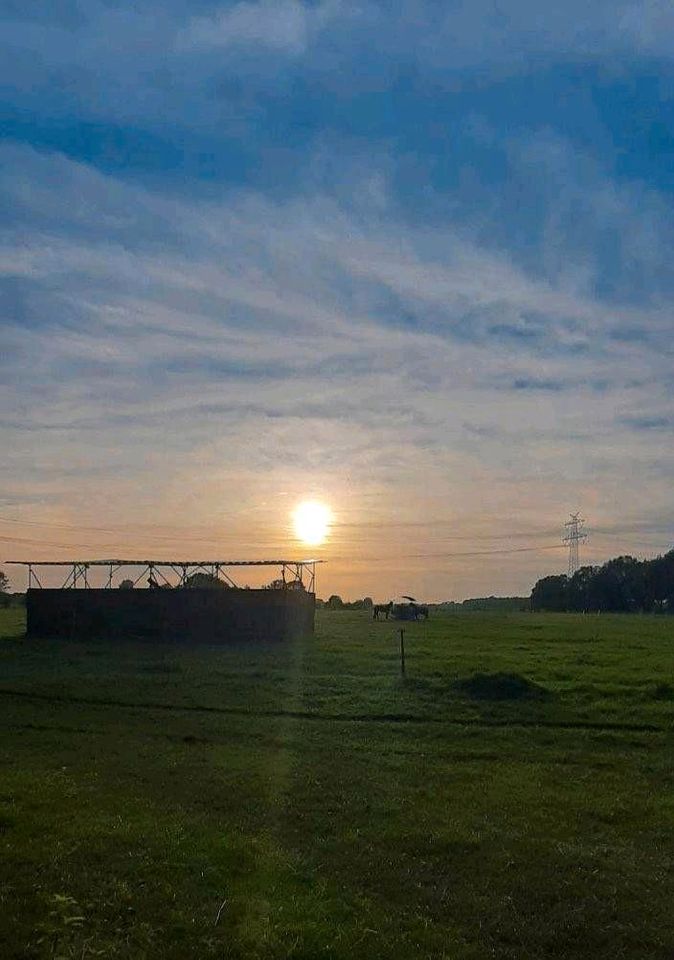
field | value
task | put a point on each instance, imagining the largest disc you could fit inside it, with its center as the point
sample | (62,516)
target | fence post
(402,653)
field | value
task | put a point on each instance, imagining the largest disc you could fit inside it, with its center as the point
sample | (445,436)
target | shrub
(662,691)
(501,686)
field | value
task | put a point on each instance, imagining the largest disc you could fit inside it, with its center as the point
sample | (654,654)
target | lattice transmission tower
(574,536)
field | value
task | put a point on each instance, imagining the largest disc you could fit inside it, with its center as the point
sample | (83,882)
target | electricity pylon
(574,536)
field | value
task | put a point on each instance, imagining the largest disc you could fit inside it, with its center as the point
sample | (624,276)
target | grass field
(307,802)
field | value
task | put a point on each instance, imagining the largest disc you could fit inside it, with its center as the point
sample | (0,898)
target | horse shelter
(181,601)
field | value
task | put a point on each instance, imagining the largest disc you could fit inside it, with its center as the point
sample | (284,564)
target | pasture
(305,801)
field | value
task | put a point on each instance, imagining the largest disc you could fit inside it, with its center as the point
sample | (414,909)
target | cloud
(163,69)
(537,383)
(469,33)
(286,25)
(653,422)
(648,24)
(597,234)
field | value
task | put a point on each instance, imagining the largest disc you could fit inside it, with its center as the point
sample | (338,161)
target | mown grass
(306,801)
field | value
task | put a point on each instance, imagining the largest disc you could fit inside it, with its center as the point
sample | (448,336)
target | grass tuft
(662,691)
(501,686)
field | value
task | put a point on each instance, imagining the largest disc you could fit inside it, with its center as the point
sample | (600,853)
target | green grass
(317,805)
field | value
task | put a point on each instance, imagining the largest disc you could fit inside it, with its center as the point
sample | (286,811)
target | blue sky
(413,259)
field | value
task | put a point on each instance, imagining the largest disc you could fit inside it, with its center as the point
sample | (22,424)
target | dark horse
(384,608)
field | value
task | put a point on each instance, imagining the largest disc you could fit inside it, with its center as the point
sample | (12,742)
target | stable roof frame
(78,578)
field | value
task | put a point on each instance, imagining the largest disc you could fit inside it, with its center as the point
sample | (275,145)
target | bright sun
(312,522)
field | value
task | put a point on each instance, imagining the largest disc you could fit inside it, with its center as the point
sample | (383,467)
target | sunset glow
(311,521)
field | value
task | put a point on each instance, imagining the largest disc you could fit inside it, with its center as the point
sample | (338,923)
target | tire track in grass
(345,717)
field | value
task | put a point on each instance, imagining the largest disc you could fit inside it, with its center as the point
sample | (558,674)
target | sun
(311,521)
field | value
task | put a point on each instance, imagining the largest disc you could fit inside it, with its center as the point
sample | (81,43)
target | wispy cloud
(243,344)
(287,25)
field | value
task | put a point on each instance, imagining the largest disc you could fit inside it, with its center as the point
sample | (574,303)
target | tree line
(494,604)
(335,602)
(622,585)
(486,605)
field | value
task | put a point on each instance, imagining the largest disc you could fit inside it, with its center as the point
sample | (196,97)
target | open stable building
(181,600)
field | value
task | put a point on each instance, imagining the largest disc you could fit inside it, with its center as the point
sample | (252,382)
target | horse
(384,608)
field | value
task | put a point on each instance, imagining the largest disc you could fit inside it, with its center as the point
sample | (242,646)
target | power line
(447,556)
(486,553)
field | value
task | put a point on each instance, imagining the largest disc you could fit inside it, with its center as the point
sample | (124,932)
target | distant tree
(619,586)
(206,580)
(497,604)
(126,585)
(659,584)
(4,590)
(335,602)
(580,594)
(550,593)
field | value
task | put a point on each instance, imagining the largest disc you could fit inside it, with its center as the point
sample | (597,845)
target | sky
(412,260)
